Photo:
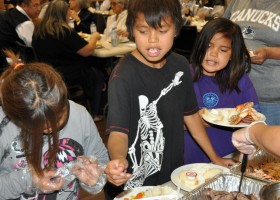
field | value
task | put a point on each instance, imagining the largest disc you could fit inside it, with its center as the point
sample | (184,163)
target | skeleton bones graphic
(151,135)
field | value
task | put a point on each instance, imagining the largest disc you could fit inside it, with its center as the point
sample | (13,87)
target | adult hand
(75,16)
(88,171)
(260,55)
(116,171)
(95,36)
(241,143)
(48,182)
(122,33)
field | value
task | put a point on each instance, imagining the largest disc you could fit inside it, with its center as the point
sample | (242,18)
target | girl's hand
(116,172)
(88,171)
(200,112)
(49,182)
(226,162)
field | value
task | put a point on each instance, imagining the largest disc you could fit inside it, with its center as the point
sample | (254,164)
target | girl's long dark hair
(240,61)
(34,97)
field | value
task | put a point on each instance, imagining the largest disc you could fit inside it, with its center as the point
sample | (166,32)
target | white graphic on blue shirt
(248,33)
(151,136)
(210,100)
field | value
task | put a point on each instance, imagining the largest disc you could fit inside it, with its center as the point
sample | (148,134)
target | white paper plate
(132,192)
(225,122)
(199,168)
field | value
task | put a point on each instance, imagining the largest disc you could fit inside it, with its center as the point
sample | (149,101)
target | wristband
(247,133)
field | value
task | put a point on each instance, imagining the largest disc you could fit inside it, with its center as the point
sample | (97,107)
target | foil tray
(227,182)
(260,157)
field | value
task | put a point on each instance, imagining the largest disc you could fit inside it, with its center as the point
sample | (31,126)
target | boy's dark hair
(33,95)
(240,61)
(154,11)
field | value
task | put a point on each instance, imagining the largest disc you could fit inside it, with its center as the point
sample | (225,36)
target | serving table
(107,50)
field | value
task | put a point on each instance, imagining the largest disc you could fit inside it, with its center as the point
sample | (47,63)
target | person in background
(41,132)
(210,9)
(17,25)
(105,5)
(261,33)
(10,4)
(117,20)
(58,45)
(81,15)
(44,6)
(151,95)
(219,61)
(2,5)
(188,7)
(260,135)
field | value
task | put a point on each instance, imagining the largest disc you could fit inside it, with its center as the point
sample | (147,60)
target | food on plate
(193,177)
(152,192)
(213,114)
(158,191)
(269,171)
(224,195)
(189,178)
(210,173)
(83,35)
(243,113)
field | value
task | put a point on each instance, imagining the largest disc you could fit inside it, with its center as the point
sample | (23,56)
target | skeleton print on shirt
(151,137)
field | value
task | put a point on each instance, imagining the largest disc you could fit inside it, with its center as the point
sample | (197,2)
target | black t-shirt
(148,105)
(60,52)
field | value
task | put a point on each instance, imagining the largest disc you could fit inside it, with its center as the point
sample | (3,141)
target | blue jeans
(271,112)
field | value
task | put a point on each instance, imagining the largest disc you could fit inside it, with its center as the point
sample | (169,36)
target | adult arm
(197,130)
(227,13)
(25,31)
(263,53)
(117,167)
(106,4)
(88,49)
(2,6)
(261,135)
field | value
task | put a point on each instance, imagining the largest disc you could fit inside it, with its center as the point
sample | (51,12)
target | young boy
(150,97)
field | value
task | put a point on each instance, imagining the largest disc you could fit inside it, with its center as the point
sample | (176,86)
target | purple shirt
(209,96)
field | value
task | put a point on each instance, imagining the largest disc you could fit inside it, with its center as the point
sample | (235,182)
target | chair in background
(184,42)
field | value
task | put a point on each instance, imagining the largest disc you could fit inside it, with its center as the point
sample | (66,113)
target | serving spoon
(242,170)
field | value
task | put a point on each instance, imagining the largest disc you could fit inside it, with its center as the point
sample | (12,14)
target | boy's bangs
(154,18)
(154,13)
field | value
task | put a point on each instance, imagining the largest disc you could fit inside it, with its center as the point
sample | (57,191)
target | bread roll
(189,178)
(210,173)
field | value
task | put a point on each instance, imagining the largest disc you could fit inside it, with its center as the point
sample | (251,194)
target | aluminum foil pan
(229,183)
(260,157)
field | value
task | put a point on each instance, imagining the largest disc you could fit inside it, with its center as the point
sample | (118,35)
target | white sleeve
(106,4)
(25,31)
